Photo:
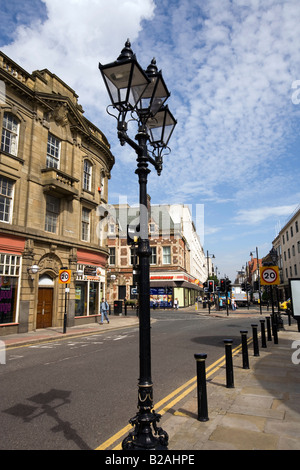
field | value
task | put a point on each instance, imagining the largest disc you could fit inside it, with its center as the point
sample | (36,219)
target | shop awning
(172,283)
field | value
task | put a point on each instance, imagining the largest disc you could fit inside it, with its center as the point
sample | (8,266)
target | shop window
(80,298)
(87,291)
(6,199)
(10,134)
(53,152)
(9,283)
(93,298)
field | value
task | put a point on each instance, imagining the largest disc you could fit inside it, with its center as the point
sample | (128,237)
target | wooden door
(44,308)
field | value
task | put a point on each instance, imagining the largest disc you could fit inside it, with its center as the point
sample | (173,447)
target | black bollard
(263,334)
(245,349)
(275,333)
(229,365)
(201,387)
(255,340)
(269,328)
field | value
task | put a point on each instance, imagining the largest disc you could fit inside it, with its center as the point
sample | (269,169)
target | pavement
(261,411)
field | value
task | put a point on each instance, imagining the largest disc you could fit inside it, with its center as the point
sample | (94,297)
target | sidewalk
(261,412)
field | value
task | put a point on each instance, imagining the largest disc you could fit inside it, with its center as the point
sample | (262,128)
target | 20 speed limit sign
(64,276)
(269,275)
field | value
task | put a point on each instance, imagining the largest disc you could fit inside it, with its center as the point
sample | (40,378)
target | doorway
(122,292)
(44,307)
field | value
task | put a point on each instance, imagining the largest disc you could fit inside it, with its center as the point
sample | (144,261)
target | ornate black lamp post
(142,94)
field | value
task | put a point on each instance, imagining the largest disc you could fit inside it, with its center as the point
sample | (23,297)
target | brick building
(177,262)
(54,170)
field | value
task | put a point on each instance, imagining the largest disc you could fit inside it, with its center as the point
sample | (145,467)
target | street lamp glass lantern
(155,94)
(161,127)
(125,80)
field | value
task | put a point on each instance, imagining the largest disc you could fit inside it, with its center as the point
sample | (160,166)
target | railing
(59,181)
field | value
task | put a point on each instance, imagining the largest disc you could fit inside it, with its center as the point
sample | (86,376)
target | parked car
(285,305)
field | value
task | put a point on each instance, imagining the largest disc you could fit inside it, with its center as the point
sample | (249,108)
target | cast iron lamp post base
(142,438)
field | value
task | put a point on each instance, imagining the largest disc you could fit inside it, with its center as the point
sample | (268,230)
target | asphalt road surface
(76,393)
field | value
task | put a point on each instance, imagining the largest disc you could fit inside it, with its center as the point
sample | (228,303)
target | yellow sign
(64,276)
(269,275)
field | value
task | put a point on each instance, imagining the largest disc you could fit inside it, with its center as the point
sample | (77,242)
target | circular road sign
(270,275)
(65,276)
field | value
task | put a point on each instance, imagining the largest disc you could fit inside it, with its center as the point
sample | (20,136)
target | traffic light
(132,234)
(248,287)
(228,285)
(211,286)
(243,287)
(222,285)
(256,285)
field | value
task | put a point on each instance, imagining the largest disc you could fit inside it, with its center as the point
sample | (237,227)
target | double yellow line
(172,399)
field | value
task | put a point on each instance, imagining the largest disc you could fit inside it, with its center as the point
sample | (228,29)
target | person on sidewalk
(104,307)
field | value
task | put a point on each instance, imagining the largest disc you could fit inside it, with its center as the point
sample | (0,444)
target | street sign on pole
(295,296)
(269,275)
(64,276)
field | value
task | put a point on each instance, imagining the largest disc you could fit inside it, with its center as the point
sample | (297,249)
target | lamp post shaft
(144,252)
(142,437)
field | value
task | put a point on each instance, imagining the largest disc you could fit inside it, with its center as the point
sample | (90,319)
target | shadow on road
(48,404)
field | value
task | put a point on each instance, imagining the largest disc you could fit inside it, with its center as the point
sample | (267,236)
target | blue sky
(233,69)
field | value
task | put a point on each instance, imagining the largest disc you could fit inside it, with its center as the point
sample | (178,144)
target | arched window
(10,134)
(87,175)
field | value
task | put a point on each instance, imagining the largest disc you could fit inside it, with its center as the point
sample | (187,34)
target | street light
(207,258)
(142,94)
(258,279)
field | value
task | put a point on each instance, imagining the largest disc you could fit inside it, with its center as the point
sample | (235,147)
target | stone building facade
(54,171)
(287,246)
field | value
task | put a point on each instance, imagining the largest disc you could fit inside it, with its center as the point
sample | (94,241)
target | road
(76,393)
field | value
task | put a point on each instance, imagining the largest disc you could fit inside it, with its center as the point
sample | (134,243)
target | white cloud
(75,37)
(260,214)
(232,74)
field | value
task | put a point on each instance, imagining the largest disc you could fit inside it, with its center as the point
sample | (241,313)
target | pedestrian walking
(104,307)
(176,304)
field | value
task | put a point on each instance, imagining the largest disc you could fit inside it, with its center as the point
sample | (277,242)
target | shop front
(89,286)
(166,287)
(11,249)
